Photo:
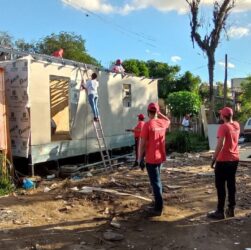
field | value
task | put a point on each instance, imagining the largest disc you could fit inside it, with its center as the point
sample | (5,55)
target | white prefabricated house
(41,92)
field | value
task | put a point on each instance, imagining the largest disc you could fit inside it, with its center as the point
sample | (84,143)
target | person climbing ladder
(91,88)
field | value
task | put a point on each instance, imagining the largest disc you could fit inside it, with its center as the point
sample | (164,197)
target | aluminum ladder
(102,145)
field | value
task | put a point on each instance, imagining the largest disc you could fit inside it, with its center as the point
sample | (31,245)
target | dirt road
(64,218)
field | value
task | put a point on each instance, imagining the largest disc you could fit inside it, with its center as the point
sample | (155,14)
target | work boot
(216,215)
(230,212)
(153,212)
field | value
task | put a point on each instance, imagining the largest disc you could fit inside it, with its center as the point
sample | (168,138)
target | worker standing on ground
(152,143)
(91,88)
(186,123)
(137,131)
(226,157)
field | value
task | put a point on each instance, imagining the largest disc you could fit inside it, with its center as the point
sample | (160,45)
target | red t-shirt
(154,132)
(138,128)
(230,132)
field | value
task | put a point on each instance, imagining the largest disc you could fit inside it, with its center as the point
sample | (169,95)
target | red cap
(141,116)
(226,111)
(153,107)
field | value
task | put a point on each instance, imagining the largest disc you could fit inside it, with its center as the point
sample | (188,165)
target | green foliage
(170,80)
(188,82)
(5,180)
(136,67)
(73,45)
(5,39)
(183,102)
(182,141)
(204,92)
(245,99)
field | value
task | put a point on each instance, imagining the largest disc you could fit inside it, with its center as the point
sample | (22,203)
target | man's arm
(161,116)
(218,148)
(142,147)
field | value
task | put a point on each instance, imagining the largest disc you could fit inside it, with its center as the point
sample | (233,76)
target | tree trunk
(211,64)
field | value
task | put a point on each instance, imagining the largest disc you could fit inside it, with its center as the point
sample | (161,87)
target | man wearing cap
(226,157)
(152,143)
(137,131)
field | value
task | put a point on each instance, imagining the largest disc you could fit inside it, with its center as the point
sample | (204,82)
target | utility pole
(225,82)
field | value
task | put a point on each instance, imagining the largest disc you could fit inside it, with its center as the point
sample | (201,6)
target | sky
(138,29)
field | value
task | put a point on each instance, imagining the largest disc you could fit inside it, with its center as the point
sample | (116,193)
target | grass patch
(182,141)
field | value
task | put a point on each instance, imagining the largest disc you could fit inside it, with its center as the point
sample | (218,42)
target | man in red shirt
(226,156)
(152,143)
(137,131)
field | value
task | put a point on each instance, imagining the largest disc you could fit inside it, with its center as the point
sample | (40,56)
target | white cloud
(101,6)
(176,59)
(238,32)
(180,6)
(229,65)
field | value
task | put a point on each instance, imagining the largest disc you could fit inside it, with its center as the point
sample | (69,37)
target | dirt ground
(65,218)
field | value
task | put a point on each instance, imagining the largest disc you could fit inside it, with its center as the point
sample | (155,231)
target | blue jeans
(93,100)
(153,171)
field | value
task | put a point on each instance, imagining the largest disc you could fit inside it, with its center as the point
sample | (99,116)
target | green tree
(245,99)
(131,66)
(6,39)
(207,40)
(168,75)
(183,102)
(73,45)
(188,82)
(204,92)
(21,44)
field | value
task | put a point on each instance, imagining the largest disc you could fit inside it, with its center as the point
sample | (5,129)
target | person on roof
(118,68)
(137,130)
(58,53)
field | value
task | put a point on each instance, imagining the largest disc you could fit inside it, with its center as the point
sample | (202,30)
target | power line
(141,37)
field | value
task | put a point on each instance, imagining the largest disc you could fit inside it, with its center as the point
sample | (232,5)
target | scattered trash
(86,190)
(174,186)
(28,184)
(111,236)
(237,243)
(111,191)
(53,186)
(89,174)
(47,189)
(59,197)
(115,223)
(50,177)
(74,189)
(107,210)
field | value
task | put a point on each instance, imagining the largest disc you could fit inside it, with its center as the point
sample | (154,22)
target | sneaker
(153,212)
(230,212)
(95,119)
(216,215)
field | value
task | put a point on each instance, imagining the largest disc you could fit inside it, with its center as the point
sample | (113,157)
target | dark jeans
(136,147)
(93,100)
(153,171)
(225,173)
